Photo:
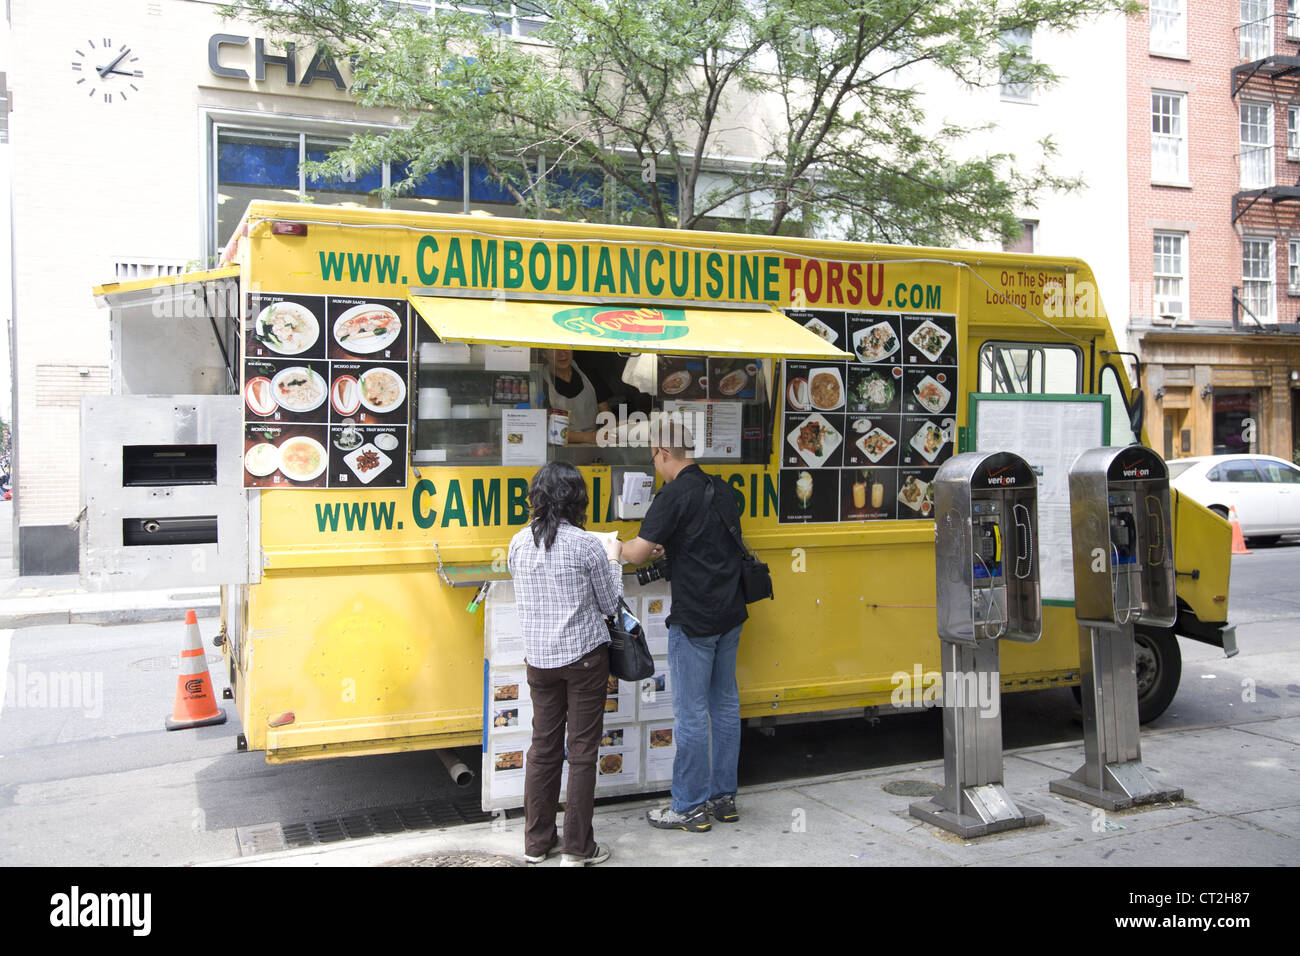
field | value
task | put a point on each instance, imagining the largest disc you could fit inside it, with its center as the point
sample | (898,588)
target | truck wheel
(1159,665)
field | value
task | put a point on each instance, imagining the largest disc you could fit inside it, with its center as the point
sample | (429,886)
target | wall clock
(106,72)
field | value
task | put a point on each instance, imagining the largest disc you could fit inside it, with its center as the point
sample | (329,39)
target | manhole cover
(911,788)
(456,859)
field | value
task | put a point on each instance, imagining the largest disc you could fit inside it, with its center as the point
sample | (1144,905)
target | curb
(132,615)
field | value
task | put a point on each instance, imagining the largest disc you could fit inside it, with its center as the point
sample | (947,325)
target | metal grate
(911,788)
(382,821)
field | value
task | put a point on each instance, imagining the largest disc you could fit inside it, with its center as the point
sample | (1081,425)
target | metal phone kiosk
(1123,573)
(986,568)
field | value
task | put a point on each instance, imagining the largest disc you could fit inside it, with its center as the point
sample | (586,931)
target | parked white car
(1264,490)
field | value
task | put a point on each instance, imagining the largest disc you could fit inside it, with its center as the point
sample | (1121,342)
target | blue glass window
(254,159)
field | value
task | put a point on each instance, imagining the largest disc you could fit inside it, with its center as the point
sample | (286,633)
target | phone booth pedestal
(1112,775)
(986,572)
(1123,573)
(973,801)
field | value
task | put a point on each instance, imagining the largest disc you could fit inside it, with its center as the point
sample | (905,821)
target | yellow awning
(756,331)
(148,291)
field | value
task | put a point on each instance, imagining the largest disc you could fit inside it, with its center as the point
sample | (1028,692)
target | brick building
(1214,223)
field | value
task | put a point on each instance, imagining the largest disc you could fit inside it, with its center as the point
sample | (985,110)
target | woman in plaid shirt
(565,582)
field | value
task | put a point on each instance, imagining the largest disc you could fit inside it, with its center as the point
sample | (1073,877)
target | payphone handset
(1123,549)
(986,562)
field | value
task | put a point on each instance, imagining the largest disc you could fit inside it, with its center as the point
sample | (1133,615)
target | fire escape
(1276,77)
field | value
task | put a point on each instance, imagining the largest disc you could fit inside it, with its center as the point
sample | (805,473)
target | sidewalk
(60,599)
(1242,808)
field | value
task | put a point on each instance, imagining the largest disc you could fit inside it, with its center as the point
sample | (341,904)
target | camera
(655,571)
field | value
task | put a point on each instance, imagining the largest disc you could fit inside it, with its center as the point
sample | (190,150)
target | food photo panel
(874,388)
(682,377)
(929,391)
(874,337)
(871,441)
(363,456)
(916,492)
(929,340)
(869,494)
(828,325)
(926,440)
(285,456)
(733,378)
(375,329)
(286,391)
(813,441)
(806,495)
(368,392)
(278,326)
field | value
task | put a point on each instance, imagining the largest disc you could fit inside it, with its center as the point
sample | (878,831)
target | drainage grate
(911,788)
(382,821)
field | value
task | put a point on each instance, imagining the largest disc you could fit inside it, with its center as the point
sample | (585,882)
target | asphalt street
(92,777)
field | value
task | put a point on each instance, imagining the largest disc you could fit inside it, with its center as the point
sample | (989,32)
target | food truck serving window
(509,382)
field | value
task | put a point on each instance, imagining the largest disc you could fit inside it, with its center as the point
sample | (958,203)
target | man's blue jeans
(706,703)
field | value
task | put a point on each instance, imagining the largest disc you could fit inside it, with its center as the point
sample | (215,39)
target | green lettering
(517,499)
(327,516)
(427,275)
(748,277)
(513,265)
(354,515)
(629,272)
(455,510)
(713,264)
(423,519)
(540,280)
(679,288)
(331,266)
(381,515)
(604,271)
(932,295)
(455,264)
(771,278)
(564,254)
(769,495)
(487,502)
(737,483)
(653,285)
(483,263)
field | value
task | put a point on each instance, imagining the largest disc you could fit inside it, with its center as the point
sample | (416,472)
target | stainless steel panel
(108,424)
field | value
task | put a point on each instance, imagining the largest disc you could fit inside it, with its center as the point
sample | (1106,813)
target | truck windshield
(1022,368)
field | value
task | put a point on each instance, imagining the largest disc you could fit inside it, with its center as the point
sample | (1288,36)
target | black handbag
(755,578)
(629,655)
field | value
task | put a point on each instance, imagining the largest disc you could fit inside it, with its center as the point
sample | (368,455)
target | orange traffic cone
(1238,540)
(196,705)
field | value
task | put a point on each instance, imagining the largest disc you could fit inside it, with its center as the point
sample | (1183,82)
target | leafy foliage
(635,111)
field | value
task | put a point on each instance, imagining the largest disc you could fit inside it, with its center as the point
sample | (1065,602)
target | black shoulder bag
(755,578)
(629,655)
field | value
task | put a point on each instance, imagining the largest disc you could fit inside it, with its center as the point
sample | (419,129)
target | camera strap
(711,504)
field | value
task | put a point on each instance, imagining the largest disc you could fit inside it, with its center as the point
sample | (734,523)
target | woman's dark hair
(557,494)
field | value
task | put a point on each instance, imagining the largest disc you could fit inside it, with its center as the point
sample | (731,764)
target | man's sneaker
(693,821)
(724,809)
(539,859)
(600,856)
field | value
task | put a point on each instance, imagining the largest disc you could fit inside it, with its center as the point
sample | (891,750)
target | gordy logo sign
(636,325)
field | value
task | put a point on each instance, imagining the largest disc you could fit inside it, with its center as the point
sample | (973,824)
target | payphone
(987,590)
(1123,575)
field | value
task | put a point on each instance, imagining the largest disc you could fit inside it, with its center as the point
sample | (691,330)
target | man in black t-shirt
(708,610)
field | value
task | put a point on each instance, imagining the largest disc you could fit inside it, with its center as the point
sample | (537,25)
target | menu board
(862,440)
(1049,432)
(324,385)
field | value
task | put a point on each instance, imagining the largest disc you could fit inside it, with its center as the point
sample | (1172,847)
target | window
(1292,21)
(1293,132)
(1168,137)
(1257,278)
(1169,27)
(1238,471)
(1020,368)
(1293,267)
(1256,145)
(509,19)
(1028,237)
(1170,274)
(1016,43)
(1121,411)
(1278,473)
(1256,29)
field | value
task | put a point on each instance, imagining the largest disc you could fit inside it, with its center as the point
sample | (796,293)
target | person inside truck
(569,389)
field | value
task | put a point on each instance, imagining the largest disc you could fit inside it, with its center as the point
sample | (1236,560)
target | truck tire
(1159,665)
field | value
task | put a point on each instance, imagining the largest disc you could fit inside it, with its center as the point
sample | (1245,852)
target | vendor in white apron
(570,390)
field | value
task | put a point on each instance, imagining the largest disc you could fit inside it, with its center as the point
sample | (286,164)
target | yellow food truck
(339,425)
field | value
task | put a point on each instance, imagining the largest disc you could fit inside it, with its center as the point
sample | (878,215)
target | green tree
(622,114)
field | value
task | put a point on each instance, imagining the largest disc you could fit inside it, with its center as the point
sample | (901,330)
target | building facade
(1214,223)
